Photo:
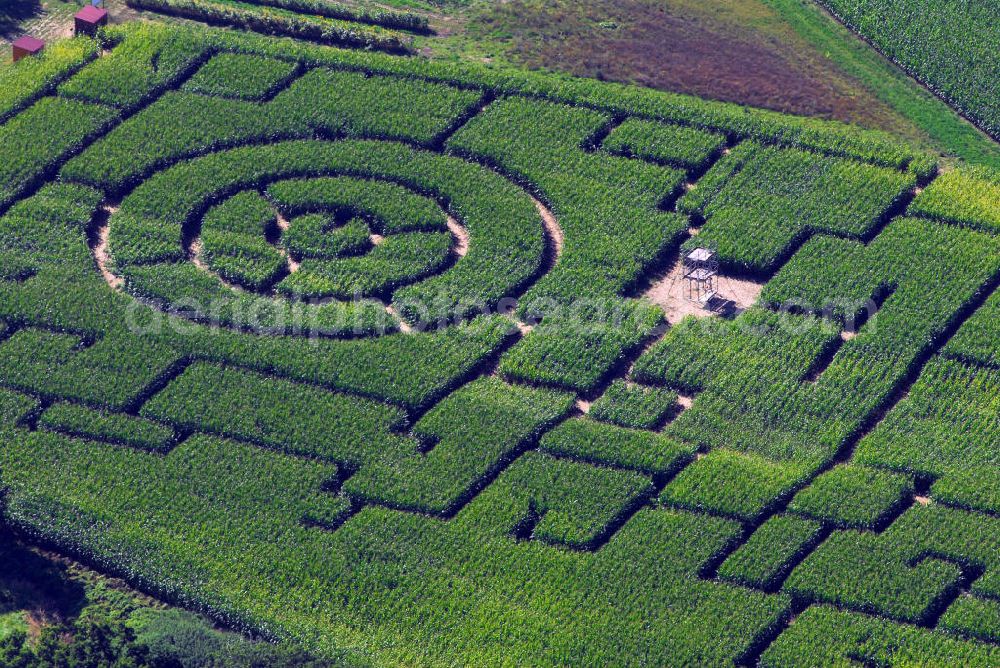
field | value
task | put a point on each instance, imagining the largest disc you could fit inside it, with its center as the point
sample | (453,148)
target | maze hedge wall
(303,338)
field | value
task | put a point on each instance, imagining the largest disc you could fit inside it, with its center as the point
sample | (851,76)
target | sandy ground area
(670,292)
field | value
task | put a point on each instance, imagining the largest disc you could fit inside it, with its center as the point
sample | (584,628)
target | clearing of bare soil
(670,292)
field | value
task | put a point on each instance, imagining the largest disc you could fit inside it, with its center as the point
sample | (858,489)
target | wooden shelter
(89,19)
(26,46)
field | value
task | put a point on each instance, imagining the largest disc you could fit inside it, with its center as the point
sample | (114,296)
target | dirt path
(100,248)
(461,236)
(553,231)
(283,225)
(404,326)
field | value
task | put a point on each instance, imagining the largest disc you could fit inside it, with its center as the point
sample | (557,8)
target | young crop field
(949,45)
(349,350)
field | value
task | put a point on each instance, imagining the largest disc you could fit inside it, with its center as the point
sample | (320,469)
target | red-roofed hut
(26,46)
(89,19)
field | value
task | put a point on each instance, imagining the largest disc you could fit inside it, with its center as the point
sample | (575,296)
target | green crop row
(607,206)
(184,289)
(854,497)
(949,46)
(745,367)
(313,235)
(242,259)
(578,348)
(50,226)
(505,251)
(246,213)
(778,197)
(147,59)
(635,406)
(764,560)
(27,80)
(608,210)
(784,385)
(978,340)
(968,196)
(240,76)
(229,540)
(335,10)
(683,147)
(908,572)
(694,201)
(414,369)
(398,260)
(16,267)
(849,570)
(734,120)
(244,529)
(825,636)
(359,105)
(58,365)
(233,242)
(133,345)
(947,428)
(180,125)
(591,441)
(168,130)
(744,486)
(474,432)
(298,419)
(973,616)
(569,503)
(15,406)
(34,140)
(393,208)
(77,420)
(275,20)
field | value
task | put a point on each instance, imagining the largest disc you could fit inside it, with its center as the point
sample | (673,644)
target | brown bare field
(739,51)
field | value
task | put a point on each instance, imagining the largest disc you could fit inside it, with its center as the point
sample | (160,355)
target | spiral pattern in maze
(320,232)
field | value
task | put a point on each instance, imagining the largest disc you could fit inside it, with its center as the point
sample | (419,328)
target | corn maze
(350,348)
